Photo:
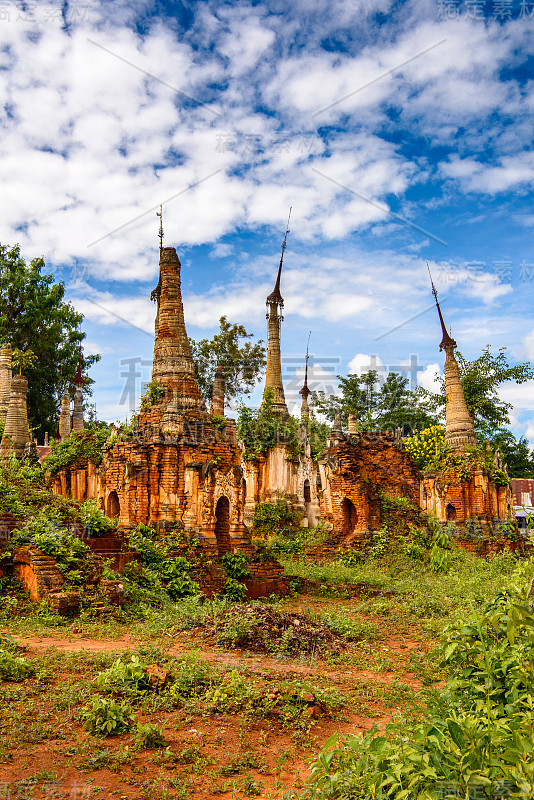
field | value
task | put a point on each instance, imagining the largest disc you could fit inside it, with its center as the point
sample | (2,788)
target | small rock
(158,677)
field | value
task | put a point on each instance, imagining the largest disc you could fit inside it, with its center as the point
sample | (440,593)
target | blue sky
(399,132)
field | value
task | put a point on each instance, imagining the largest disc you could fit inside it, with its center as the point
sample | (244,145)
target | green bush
(440,554)
(13,667)
(78,447)
(95,519)
(262,428)
(277,517)
(235,565)
(476,737)
(160,569)
(129,676)
(191,678)
(234,590)
(107,717)
(70,553)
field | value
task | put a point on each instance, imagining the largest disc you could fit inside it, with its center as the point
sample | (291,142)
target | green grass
(417,592)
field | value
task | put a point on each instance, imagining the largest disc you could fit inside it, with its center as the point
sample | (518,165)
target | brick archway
(349,516)
(307,491)
(113,506)
(451,512)
(222,525)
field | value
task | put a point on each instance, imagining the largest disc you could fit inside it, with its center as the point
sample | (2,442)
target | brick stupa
(5,380)
(16,431)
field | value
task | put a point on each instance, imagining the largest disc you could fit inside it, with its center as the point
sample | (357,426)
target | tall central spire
(173,365)
(275,302)
(460,429)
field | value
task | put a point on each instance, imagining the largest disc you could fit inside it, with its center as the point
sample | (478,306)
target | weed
(124,677)
(107,717)
(149,737)
(191,678)
(97,759)
(14,668)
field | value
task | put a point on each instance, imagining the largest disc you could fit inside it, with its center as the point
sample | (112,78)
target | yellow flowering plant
(427,447)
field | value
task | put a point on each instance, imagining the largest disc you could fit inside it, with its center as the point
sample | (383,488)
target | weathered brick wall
(455,500)
(167,474)
(353,472)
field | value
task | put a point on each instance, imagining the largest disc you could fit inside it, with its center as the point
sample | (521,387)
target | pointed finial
(447,341)
(305,392)
(275,296)
(160,215)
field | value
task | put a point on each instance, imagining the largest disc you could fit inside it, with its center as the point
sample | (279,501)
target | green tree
(387,407)
(516,454)
(34,318)
(481,380)
(261,428)
(242,361)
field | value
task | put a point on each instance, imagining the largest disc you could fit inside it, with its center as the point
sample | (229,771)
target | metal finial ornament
(284,243)
(275,296)
(432,283)
(305,391)
(447,340)
(160,234)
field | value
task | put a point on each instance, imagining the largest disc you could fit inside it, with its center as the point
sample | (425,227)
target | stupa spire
(460,429)
(305,392)
(79,381)
(173,365)
(275,302)
(447,340)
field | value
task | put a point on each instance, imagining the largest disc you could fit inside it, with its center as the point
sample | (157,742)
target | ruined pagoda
(459,425)
(275,304)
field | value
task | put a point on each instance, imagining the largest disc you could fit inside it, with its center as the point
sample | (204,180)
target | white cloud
(429,378)
(512,171)
(528,343)
(362,363)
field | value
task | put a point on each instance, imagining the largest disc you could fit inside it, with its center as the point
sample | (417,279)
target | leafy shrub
(191,678)
(108,717)
(70,553)
(23,492)
(129,676)
(154,392)
(476,738)
(13,667)
(262,428)
(277,517)
(440,555)
(78,447)
(232,693)
(160,568)
(235,565)
(95,519)
(149,737)
(234,590)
